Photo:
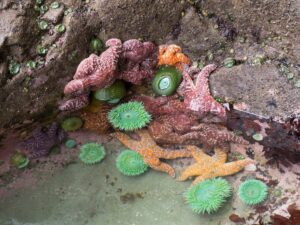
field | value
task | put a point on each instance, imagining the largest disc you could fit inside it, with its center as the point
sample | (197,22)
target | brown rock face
(209,31)
(31,94)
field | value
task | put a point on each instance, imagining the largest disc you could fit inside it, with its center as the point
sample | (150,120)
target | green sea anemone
(129,116)
(60,28)
(166,81)
(31,64)
(43,8)
(91,153)
(208,195)
(14,68)
(41,50)
(96,45)
(229,62)
(111,94)
(39,2)
(131,163)
(253,191)
(70,143)
(43,25)
(72,124)
(55,5)
(19,160)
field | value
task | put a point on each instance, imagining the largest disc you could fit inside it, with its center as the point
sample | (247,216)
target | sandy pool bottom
(78,194)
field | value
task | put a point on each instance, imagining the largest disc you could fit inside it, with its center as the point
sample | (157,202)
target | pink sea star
(96,71)
(197,97)
(137,61)
(92,73)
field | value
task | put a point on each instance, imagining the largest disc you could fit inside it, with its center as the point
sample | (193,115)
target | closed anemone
(166,80)
(70,143)
(129,116)
(208,196)
(131,163)
(72,124)
(19,160)
(253,191)
(91,153)
(111,94)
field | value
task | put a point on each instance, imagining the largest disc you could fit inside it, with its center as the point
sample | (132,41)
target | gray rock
(197,35)
(265,91)
(54,15)
(150,20)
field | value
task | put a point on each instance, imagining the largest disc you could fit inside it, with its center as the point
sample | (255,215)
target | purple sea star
(42,140)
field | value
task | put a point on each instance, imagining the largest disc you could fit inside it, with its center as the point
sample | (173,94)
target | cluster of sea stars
(205,167)
(132,61)
(151,152)
(182,122)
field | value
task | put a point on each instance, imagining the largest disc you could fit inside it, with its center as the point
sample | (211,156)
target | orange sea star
(151,152)
(172,55)
(207,167)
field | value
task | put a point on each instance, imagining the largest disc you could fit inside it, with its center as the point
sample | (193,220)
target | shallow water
(61,190)
(88,195)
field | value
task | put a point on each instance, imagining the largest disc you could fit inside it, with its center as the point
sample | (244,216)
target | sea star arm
(202,78)
(75,103)
(221,155)
(174,154)
(203,177)
(159,133)
(232,167)
(199,155)
(214,134)
(189,88)
(86,67)
(164,167)
(130,143)
(191,171)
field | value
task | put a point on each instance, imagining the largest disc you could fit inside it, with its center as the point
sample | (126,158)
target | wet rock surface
(265,91)
(208,31)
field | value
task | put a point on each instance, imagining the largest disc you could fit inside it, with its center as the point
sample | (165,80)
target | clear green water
(100,195)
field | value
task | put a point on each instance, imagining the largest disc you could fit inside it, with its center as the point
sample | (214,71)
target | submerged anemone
(19,160)
(131,163)
(253,191)
(129,116)
(208,195)
(72,124)
(111,94)
(166,81)
(70,143)
(91,153)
